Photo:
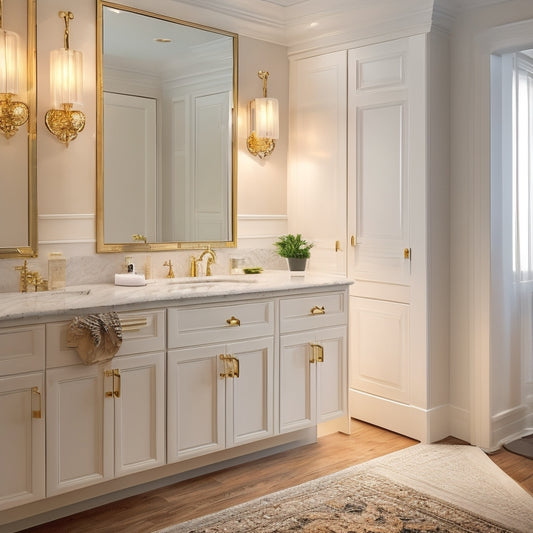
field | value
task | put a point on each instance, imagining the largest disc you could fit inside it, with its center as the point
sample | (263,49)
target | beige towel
(97,338)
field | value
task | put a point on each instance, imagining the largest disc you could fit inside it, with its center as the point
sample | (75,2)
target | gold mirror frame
(139,245)
(30,248)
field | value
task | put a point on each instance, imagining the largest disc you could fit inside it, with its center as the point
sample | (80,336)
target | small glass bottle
(57,267)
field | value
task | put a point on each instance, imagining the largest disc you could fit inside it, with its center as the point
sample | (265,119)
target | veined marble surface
(84,299)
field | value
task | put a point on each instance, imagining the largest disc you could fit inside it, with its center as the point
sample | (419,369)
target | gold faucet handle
(170,269)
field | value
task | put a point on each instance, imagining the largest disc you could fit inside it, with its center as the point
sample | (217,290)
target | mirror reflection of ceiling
(160,48)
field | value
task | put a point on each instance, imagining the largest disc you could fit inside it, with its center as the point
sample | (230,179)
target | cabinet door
(316,183)
(297,378)
(21,440)
(332,374)
(139,403)
(250,395)
(195,402)
(79,441)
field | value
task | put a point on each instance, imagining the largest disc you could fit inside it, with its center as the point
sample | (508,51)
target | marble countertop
(100,297)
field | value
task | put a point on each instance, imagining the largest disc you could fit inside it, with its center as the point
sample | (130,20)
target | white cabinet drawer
(204,325)
(315,311)
(21,349)
(142,331)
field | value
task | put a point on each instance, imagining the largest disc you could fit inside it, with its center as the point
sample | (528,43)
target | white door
(130,167)
(250,395)
(79,429)
(196,402)
(22,461)
(316,191)
(139,400)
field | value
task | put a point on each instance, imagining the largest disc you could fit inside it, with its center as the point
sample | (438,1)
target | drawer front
(142,331)
(21,349)
(315,311)
(208,324)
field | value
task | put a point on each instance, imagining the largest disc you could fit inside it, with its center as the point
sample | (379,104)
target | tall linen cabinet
(369,184)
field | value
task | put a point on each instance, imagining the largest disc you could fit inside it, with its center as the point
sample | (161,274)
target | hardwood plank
(210,493)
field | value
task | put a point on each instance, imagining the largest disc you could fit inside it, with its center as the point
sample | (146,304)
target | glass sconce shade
(9,42)
(264,116)
(66,77)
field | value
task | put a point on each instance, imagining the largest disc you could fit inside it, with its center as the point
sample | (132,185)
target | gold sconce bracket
(65,123)
(12,115)
(261,147)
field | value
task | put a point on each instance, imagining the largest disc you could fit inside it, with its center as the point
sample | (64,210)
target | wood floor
(213,492)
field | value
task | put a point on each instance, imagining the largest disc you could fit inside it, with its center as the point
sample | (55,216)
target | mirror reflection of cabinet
(18,166)
(167,101)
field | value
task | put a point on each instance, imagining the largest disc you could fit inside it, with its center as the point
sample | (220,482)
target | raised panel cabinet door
(297,382)
(316,192)
(22,433)
(379,121)
(139,401)
(332,373)
(79,429)
(249,391)
(195,402)
(379,348)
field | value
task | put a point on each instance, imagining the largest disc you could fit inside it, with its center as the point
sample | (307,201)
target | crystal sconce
(66,85)
(264,122)
(13,114)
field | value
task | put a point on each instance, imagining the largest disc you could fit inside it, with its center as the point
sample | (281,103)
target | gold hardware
(258,144)
(312,358)
(170,269)
(108,374)
(36,413)
(353,241)
(338,246)
(29,277)
(233,321)
(318,352)
(210,261)
(133,324)
(116,390)
(318,310)
(407,253)
(139,237)
(65,123)
(13,114)
(233,370)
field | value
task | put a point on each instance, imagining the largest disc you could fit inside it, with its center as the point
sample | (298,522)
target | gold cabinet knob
(233,321)
(318,310)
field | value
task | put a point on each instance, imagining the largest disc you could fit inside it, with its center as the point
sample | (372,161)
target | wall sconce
(12,114)
(264,122)
(66,84)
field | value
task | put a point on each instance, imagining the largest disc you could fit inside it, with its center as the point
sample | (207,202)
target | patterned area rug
(424,488)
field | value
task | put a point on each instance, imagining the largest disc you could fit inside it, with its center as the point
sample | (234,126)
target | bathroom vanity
(209,370)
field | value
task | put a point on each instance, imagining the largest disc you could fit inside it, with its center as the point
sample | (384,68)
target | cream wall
(67,176)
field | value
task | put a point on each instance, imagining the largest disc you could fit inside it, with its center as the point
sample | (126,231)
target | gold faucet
(170,269)
(29,277)
(210,260)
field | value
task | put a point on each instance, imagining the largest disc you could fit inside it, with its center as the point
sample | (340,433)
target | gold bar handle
(233,321)
(318,310)
(134,324)
(236,367)
(338,246)
(224,374)
(353,241)
(35,392)
(109,374)
(407,253)
(318,352)
(116,390)
(312,359)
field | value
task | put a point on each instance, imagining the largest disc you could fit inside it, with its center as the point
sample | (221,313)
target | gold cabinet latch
(407,253)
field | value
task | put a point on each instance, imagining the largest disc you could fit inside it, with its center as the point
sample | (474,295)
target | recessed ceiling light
(313,24)
(162,40)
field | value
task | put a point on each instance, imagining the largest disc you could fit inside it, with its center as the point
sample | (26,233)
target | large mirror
(167,101)
(18,163)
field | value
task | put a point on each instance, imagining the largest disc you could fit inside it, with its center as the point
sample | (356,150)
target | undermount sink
(207,282)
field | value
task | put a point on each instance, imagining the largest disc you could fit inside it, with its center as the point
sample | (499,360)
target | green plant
(293,246)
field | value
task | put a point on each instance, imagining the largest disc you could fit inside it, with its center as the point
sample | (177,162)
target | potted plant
(295,249)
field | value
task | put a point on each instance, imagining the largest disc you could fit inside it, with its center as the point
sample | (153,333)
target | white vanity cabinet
(105,420)
(22,424)
(219,394)
(313,360)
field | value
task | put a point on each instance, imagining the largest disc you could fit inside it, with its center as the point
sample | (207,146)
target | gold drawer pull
(233,321)
(318,310)
(134,324)
(36,413)
(233,363)
(116,390)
